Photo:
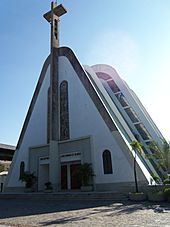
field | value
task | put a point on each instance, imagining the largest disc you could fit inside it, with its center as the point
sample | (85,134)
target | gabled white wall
(84,120)
(35,134)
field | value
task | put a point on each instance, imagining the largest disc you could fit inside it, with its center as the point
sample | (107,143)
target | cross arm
(57,10)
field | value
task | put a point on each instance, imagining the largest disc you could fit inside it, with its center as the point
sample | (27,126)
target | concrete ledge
(13,190)
(115,196)
(122,187)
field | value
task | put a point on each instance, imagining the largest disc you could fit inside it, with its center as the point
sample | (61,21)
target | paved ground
(30,213)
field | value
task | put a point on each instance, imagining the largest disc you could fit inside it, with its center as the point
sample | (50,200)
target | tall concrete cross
(53,18)
(54,156)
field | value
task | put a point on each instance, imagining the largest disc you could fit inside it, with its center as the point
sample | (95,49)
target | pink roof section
(106,71)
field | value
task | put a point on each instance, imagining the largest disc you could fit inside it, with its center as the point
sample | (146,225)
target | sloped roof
(6,146)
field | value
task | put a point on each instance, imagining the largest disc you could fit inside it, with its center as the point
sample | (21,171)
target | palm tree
(29,179)
(85,172)
(137,148)
(161,154)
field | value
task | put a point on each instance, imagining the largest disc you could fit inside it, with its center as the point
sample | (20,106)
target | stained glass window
(64,111)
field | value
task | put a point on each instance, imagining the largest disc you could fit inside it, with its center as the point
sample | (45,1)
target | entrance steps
(115,196)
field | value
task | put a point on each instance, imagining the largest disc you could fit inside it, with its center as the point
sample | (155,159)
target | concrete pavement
(31,213)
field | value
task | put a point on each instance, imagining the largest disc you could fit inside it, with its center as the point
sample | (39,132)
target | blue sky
(131,35)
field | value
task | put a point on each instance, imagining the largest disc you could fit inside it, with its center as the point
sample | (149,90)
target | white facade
(3,176)
(85,120)
(95,125)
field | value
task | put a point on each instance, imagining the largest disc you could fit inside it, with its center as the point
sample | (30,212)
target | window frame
(107,162)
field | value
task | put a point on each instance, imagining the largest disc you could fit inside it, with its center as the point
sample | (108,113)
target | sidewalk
(5,226)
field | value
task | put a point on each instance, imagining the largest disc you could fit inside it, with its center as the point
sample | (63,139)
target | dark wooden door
(75,180)
(64,177)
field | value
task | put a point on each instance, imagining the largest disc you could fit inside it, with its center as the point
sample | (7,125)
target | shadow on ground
(10,208)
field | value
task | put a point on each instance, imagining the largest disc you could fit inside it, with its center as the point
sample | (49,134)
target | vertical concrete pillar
(54,157)
(54,165)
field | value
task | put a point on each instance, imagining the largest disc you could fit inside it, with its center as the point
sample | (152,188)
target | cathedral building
(81,114)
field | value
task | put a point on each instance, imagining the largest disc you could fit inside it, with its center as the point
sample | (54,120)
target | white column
(54,165)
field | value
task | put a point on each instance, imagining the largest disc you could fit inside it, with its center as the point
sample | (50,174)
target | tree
(2,167)
(137,148)
(161,154)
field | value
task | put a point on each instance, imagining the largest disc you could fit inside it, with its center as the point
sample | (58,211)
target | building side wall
(85,120)
(133,102)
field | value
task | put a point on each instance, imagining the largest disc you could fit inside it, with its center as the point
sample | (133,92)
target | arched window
(107,162)
(48,115)
(64,111)
(22,170)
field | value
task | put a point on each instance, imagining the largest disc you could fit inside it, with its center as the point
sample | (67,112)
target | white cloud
(158,100)
(120,50)
(116,48)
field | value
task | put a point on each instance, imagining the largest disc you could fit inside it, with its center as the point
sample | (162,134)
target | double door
(69,176)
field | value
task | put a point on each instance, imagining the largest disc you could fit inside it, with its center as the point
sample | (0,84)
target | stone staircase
(114,196)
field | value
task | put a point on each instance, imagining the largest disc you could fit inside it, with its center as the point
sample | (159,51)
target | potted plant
(48,187)
(136,196)
(155,194)
(30,180)
(86,173)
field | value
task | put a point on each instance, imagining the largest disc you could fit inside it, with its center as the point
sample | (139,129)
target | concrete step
(116,196)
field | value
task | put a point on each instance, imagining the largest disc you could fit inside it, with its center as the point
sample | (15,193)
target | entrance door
(43,176)
(64,177)
(75,180)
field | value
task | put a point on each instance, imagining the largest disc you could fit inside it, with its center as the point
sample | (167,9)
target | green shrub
(160,154)
(167,193)
(158,193)
(167,180)
(29,179)
(156,178)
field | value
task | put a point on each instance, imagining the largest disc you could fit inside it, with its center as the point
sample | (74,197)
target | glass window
(64,111)
(22,170)
(113,86)
(143,132)
(122,99)
(103,76)
(107,162)
(148,143)
(132,115)
(48,116)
